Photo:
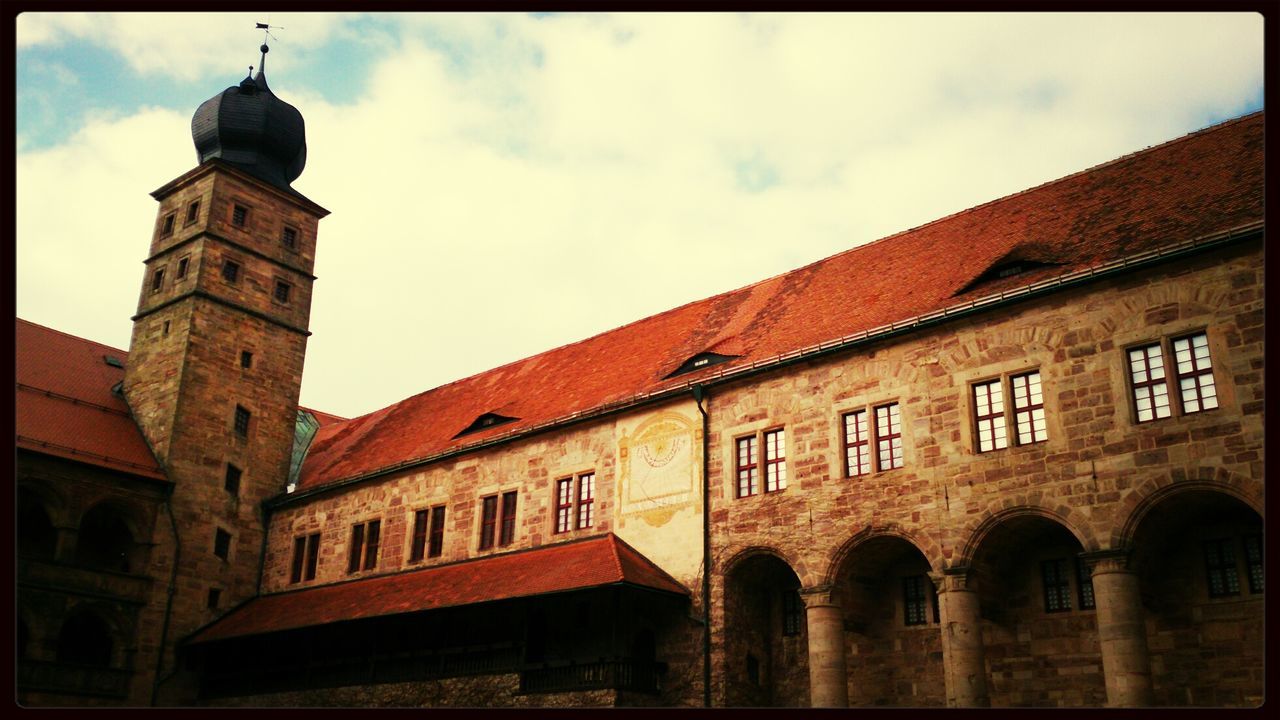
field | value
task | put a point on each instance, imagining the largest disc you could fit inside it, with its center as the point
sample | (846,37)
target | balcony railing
(632,675)
(73,679)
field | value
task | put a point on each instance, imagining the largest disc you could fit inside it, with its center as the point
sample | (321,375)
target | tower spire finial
(266,33)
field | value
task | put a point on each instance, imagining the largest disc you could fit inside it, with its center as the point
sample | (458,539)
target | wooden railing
(633,675)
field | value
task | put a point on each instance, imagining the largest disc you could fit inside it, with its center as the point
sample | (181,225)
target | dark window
(508,533)
(1220,564)
(221,543)
(418,548)
(888,437)
(233,479)
(214,596)
(1057,585)
(193,212)
(1253,559)
(157,280)
(748,466)
(246,359)
(182,268)
(289,237)
(166,226)
(1150,390)
(792,612)
(1195,373)
(230,270)
(282,291)
(165,330)
(306,555)
(575,502)
(857,451)
(364,546)
(488,520)
(242,421)
(239,215)
(436,545)
(104,541)
(1084,585)
(915,601)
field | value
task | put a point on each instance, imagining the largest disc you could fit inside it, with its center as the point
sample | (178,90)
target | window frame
(1007,428)
(366,541)
(571,503)
(222,544)
(916,600)
(231,482)
(167,224)
(183,263)
(157,280)
(765,469)
(231,271)
(286,287)
(193,213)
(793,612)
(427,540)
(888,437)
(306,558)
(240,211)
(1223,567)
(1173,375)
(1056,586)
(290,244)
(241,421)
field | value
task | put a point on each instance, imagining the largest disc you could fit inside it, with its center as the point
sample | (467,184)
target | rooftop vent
(484,422)
(113,361)
(699,361)
(1006,268)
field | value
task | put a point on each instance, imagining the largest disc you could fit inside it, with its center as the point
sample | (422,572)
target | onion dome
(248,126)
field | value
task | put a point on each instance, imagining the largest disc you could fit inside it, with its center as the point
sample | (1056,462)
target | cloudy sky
(505,184)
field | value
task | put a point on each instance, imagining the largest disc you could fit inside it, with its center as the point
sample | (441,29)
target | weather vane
(265,28)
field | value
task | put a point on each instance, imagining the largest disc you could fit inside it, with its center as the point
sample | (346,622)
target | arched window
(105,541)
(36,535)
(85,639)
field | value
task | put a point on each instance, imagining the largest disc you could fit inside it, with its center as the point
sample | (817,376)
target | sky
(504,184)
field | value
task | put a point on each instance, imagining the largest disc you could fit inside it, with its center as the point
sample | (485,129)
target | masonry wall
(1097,469)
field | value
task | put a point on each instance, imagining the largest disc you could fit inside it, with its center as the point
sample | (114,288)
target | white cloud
(505,184)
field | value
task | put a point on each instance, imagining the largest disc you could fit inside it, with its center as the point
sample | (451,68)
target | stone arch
(765,641)
(925,544)
(89,636)
(108,537)
(37,532)
(733,561)
(1138,504)
(978,530)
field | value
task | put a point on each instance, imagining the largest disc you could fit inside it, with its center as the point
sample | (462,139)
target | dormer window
(699,361)
(484,422)
(1005,268)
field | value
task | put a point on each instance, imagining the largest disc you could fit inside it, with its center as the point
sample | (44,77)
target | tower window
(306,555)
(289,237)
(157,280)
(282,291)
(182,268)
(222,543)
(166,225)
(363,553)
(233,479)
(230,270)
(193,212)
(242,421)
(239,215)
(215,595)
(246,359)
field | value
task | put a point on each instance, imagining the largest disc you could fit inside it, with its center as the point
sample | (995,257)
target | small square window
(242,421)
(246,359)
(233,479)
(193,212)
(239,215)
(182,268)
(166,226)
(230,270)
(215,595)
(282,291)
(289,237)
(222,543)
(157,280)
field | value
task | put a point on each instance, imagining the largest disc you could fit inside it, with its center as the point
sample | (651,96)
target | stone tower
(215,359)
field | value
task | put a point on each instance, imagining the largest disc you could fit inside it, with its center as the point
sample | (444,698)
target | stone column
(1122,632)
(963,658)
(828,679)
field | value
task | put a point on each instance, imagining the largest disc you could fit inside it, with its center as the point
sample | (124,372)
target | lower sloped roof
(579,565)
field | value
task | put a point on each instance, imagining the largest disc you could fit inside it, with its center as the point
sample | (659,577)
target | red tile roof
(65,406)
(1199,184)
(578,565)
